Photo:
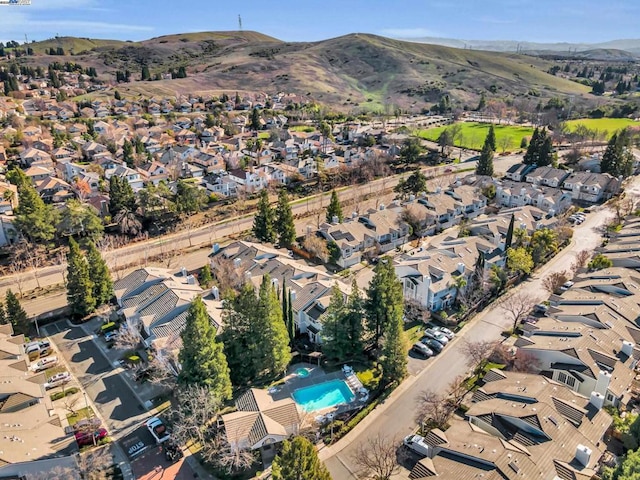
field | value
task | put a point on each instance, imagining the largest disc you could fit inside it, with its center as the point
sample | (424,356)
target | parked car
(108,327)
(447,333)
(90,438)
(158,430)
(421,349)
(434,345)
(436,335)
(566,286)
(57,379)
(417,444)
(110,336)
(540,309)
(45,348)
(44,363)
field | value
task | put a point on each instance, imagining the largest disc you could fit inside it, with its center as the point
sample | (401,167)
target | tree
(121,196)
(316,246)
(334,209)
(509,237)
(273,349)
(519,260)
(189,198)
(128,223)
(377,458)
(285,227)
(255,119)
(485,162)
(544,242)
(411,150)
(146,75)
(394,351)
(554,281)
(34,219)
(129,336)
(3,314)
(202,356)
(384,304)
(206,277)
(413,185)
(127,153)
(263,222)
(516,306)
(629,469)
(79,219)
(79,283)
(334,343)
(298,460)
(15,314)
(433,409)
(477,352)
(539,151)
(99,275)
(618,157)
(490,140)
(600,262)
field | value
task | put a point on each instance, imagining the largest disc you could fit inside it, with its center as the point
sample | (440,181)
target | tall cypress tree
(334,209)
(284,225)
(384,299)
(355,326)
(3,314)
(531,156)
(79,284)
(334,339)
(16,315)
(485,162)
(273,350)
(491,138)
(509,238)
(99,275)
(394,351)
(202,357)
(291,325)
(263,222)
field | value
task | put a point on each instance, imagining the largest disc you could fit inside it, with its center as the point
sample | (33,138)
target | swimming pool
(323,395)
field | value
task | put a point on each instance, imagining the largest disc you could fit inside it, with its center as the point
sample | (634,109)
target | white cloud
(408,32)
(88,26)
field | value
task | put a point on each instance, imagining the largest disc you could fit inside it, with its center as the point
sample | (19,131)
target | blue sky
(525,20)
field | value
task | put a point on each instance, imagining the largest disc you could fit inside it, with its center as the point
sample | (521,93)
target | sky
(577,21)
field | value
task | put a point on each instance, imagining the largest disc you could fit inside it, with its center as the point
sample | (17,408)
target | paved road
(395,418)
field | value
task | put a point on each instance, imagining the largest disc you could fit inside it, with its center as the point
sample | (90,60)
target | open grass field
(508,137)
(609,124)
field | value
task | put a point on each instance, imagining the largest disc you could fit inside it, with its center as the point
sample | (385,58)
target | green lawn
(81,414)
(302,128)
(508,137)
(608,124)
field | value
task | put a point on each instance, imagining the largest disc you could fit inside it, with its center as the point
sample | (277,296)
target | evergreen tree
(394,350)
(384,299)
(618,158)
(146,75)
(121,196)
(79,283)
(284,225)
(255,119)
(33,218)
(117,95)
(491,139)
(127,153)
(291,325)
(531,156)
(509,238)
(16,315)
(273,350)
(202,357)
(99,275)
(485,162)
(263,222)
(354,325)
(334,209)
(540,149)
(298,460)
(206,276)
(334,341)
(3,314)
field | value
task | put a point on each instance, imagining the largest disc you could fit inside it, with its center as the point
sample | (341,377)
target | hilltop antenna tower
(239,23)
(26,40)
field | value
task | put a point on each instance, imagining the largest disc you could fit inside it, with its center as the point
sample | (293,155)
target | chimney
(382,206)
(215,248)
(461,268)
(293,295)
(412,198)
(354,215)
(274,283)
(191,280)
(237,262)
(604,378)
(183,271)
(597,400)
(583,455)
(627,348)
(247,275)
(215,292)
(335,220)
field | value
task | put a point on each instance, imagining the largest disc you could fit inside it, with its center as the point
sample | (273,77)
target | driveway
(116,401)
(395,418)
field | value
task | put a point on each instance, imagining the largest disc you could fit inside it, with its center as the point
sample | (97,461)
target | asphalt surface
(395,418)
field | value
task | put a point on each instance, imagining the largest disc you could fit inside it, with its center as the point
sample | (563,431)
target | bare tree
(164,367)
(477,352)
(526,362)
(70,403)
(316,246)
(226,273)
(16,267)
(582,258)
(517,305)
(433,409)
(231,458)
(128,336)
(96,464)
(554,281)
(458,388)
(34,260)
(377,458)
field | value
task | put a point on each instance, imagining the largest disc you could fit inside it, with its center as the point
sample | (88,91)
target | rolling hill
(357,71)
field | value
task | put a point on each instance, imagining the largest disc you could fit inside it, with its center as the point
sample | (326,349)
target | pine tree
(121,196)
(127,155)
(491,139)
(394,351)
(146,75)
(202,357)
(354,325)
(99,274)
(255,119)
(618,158)
(263,222)
(3,314)
(273,347)
(298,460)
(384,299)
(284,225)
(485,162)
(33,218)
(79,284)
(206,276)
(334,340)
(291,325)
(531,156)
(509,238)
(16,315)
(334,209)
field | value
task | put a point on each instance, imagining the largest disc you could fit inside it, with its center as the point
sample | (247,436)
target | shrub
(370,379)
(59,395)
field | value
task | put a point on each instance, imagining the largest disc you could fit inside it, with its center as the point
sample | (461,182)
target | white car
(44,363)
(158,430)
(58,379)
(417,444)
(446,332)
(566,286)
(437,335)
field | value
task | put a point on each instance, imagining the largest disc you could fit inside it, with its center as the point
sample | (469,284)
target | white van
(44,363)
(417,444)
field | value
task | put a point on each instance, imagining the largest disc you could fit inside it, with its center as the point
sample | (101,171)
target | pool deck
(293,382)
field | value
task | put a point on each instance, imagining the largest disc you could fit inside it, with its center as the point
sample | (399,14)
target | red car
(88,438)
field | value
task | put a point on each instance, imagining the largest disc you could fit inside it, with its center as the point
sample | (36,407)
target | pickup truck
(417,444)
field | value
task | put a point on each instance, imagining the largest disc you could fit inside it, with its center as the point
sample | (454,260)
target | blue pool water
(323,395)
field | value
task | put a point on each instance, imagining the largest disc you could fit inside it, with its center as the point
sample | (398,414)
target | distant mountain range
(632,46)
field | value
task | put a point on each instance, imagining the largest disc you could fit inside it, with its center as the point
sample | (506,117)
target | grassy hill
(73,45)
(508,137)
(353,72)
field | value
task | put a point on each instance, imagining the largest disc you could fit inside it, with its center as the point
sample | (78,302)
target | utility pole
(239,23)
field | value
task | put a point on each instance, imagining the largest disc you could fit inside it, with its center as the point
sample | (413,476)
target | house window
(609,397)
